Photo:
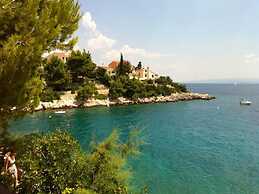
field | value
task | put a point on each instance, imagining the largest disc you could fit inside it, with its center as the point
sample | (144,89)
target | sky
(189,40)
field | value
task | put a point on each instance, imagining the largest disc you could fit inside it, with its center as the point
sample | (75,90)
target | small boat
(245,102)
(60,112)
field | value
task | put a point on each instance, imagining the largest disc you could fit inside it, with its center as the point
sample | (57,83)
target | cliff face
(68,100)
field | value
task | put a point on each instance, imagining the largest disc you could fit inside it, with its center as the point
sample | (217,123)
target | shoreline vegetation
(76,81)
(56,162)
(68,101)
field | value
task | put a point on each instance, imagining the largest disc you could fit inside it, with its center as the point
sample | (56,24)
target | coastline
(68,101)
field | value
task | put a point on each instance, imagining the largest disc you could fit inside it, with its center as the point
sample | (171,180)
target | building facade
(143,73)
(62,55)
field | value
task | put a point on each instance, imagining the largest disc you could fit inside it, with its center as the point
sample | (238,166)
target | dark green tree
(124,67)
(81,65)
(56,74)
(135,89)
(87,91)
(117,87)
(102,76)
(164,80)
(139,65)
(28,29)
(54,163)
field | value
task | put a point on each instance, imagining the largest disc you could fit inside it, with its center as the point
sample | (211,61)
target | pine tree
(81,65)
(124,67)
(121,60)
(139,65)
(30,28)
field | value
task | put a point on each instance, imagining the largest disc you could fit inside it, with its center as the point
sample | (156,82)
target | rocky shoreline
(68,101)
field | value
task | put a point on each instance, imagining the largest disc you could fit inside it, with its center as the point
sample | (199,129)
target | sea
(195,147)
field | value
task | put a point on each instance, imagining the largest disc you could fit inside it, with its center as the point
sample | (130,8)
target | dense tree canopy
(55,163)
(102,76)
(81,65)
(124,67)
(164,80)
(87,91)
(56,74)
(28,29)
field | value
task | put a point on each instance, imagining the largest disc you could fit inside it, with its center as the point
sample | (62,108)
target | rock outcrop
(68,101)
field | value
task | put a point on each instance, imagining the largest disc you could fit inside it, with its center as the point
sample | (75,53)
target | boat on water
(60,112)
(245,102)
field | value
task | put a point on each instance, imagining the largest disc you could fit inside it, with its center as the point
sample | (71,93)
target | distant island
(72,79)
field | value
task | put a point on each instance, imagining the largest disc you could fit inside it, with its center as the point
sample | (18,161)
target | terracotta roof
(113,65)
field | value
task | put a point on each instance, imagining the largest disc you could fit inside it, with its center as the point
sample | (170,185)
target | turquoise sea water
(198,147)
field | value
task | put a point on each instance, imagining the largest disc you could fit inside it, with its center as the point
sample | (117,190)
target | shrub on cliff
(87,91)
(48,95)
(102,76)
(117,88)
(180,87)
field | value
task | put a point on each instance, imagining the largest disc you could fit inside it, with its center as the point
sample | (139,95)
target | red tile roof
(113,65)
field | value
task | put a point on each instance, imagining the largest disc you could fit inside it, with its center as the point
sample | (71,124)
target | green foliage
(179,87)
(51,162)
(124,67)
(56,74)
(164,80)
(81,65)
(100,96)
(135,89)
(108,172)
(87,91)
(102,76)
(48,95)
(168,86)
(28,29)
(122,86)
(139,65)
(55,163)
(78,191)
(117,88)
(84,191)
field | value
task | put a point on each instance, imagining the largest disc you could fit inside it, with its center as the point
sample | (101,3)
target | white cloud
(97,40)
(251,59)
(104,46)
(131,52)
(88,22)
(100,42)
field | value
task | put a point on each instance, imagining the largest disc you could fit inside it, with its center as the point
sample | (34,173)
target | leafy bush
(117,88)
(87,91)
(50,162)
(122,86)
(54,162)
(180,87)
(48,95)
(102,76)
(124,67)
(101,97)
(84,191)
(56,74)
(81,65)
(164,80)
